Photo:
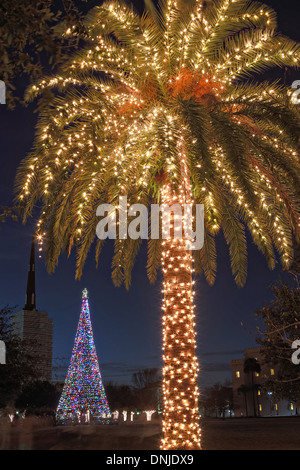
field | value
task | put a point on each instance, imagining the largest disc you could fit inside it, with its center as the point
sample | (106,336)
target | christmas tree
(83,398)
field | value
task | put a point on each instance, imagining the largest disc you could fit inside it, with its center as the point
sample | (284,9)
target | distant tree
(7,213)
(59,368)
(281,327)
(147,383)
(243,389)
(252,366)
(207,403)
(217,400)
(31,39)
(20,368)
(120,397)
(39,398)
(146,377)
(294,270)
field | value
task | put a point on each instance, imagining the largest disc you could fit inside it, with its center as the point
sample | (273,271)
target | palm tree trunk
(246,406)
(180,392)
(253,395)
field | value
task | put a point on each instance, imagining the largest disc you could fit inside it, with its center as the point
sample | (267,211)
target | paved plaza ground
(230,434)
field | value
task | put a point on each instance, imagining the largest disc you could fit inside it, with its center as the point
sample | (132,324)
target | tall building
(34,327)
(250,396)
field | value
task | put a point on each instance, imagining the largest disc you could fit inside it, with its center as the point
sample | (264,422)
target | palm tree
(244,390)
(252,366)
(160,107)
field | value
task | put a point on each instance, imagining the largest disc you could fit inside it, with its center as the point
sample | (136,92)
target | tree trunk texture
(180,391)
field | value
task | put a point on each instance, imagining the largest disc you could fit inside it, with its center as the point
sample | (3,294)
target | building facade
(34,327)
(249,396)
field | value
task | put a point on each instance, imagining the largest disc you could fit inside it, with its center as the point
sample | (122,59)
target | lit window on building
(256,374)
(258,392)
(276,407)
(237,374)
(272,371)
(260,407)
(292,406)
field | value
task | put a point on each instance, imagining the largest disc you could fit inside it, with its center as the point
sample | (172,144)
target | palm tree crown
(137,87)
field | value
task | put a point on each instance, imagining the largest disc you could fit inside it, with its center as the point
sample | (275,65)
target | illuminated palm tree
(157,108)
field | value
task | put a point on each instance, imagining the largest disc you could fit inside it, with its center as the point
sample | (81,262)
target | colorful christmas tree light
(83,397)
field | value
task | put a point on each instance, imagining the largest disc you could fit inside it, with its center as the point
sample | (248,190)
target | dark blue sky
(127,325)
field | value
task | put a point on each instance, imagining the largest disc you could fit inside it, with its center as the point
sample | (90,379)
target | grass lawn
(230,434)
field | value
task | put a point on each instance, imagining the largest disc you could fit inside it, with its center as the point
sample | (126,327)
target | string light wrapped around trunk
(181,428)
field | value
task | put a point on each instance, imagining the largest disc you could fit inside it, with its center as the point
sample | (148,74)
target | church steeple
(30,298)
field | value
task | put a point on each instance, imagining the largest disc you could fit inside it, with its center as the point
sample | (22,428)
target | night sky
(127,324)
